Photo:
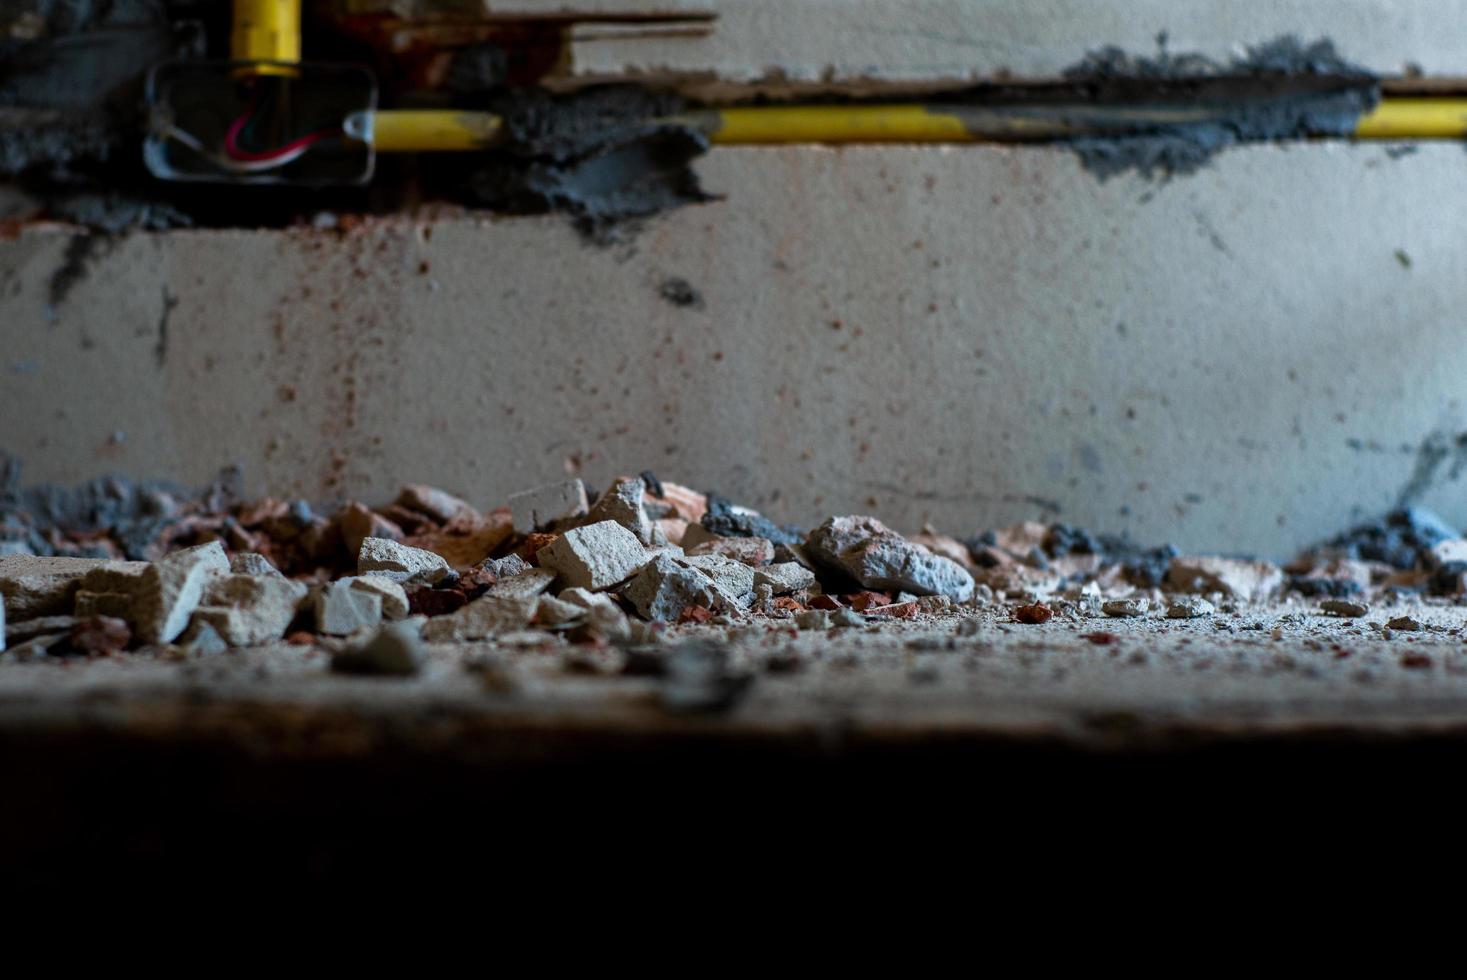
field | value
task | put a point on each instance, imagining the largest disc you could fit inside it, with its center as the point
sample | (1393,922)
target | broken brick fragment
(1033,613)
(532,544)
(695,614)
(864,601)
(101,636)
(435,602)
(825,602)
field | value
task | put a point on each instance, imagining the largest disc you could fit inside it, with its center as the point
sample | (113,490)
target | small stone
(847,618)
(1124,608)
(203,640)
(734,579)
(879,558)
(1405,623)
(547,505)
(622,503)
(1033,613)
(750,551)
(341,610)
(251,563)
(33,586)
(1344,607)
(484,617)
(813,620)
(393,596)
(440,505)
(505,567)
(2,625)
(663,590)
(1189,607)
(172,588)
(247,610)
(526,585)
(595,556)
(396,651)
(553,614)
(402,563)
(101,636)
(1235,578)
(784,577)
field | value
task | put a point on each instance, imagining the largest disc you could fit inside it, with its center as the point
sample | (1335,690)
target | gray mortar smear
(1280,90)
(605,156)
(134,511)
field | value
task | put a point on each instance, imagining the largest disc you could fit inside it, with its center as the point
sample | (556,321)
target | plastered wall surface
(924,39)
(1241,360)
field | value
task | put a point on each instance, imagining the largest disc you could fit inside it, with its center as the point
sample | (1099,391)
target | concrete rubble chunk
(1344,608)
(733,578)
(622,503)
(172,588)
(1189,607)
(115,577)
(203,640)
(251,563)
(944,545)
(548,505)
(784,577)
(115,604)
(552,613)
(527,584)
(813,619)
(341,610)
(595,556)
(393,597)
(505,567)
(402,563)
(750,551)
(484,617)
(1449,551)
(1235,578)
(396,651)
(35,586)
(879,558)
(440,505)
(28,629)
(247,610)
(1123,608)
(664,588)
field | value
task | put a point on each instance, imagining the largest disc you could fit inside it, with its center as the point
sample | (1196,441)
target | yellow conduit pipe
(266,31)
(420,130)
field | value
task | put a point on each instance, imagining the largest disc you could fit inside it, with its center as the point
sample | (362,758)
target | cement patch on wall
(1245,360)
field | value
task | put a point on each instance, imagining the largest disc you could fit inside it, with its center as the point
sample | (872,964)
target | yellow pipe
(431,130)
(267,31)
(836,124)
(1409,119)
(424,130)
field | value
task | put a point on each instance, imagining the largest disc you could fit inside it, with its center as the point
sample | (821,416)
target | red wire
(233,151)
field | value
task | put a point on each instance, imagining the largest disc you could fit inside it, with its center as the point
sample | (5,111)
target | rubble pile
(113,566)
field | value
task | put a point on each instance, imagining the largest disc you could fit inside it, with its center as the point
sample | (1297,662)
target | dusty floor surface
(1082,681)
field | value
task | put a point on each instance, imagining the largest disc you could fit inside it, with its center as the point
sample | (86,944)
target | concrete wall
(1240,360)
(925,39)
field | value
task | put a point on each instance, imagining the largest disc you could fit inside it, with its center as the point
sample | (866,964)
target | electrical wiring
(279,156)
